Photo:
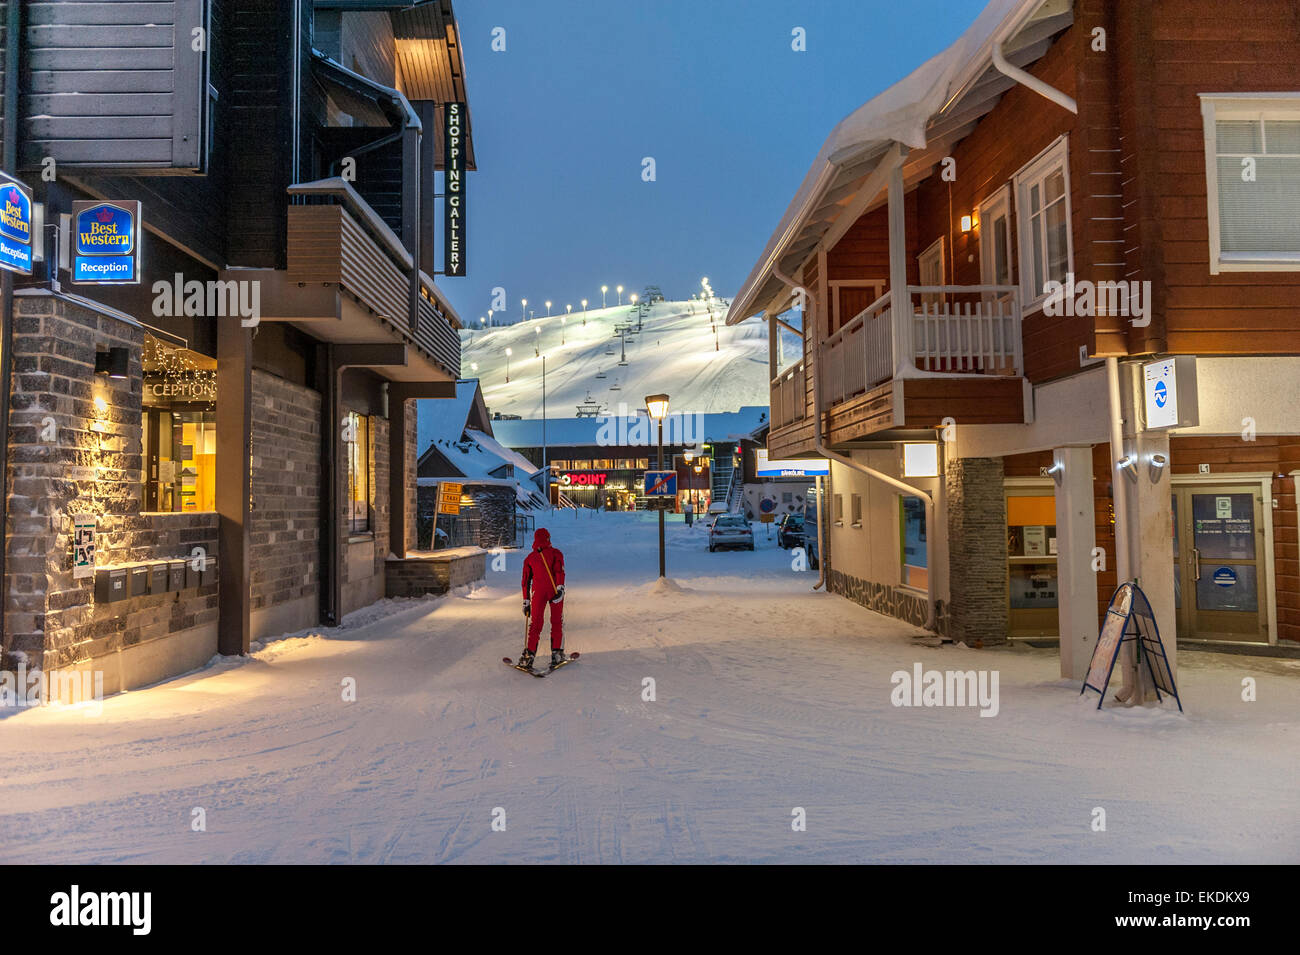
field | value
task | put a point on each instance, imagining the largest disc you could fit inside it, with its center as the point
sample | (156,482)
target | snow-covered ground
(674,352)
(768,697)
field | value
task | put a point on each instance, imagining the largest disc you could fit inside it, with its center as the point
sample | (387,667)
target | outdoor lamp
(114,362)
(920,460)
(657,405)
(689,456)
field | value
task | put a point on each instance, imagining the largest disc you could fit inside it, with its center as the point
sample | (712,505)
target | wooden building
(285,155)
(989,263)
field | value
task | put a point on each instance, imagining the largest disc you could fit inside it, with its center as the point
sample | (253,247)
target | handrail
(960,289)
(876,307)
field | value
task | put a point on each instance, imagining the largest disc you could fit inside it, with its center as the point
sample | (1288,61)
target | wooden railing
(953,329)
(860,355)
(788,397)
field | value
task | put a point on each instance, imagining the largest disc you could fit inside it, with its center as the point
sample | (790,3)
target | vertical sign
(453,203)
(15,226)
(83,546)
(449,497)
(106,243)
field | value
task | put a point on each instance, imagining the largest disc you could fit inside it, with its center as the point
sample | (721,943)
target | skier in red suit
(543,583)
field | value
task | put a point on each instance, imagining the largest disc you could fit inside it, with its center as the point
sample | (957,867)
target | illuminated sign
(106,243)
(1169,392)
(583,478)
(454,116)
(15,226)
(793,467)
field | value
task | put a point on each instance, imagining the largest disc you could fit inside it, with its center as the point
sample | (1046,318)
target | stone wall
(75,448)
(906,605)
(977,550)
(284,531)
(426,572)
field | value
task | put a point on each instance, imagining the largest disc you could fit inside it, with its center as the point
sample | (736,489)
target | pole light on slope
(603,290)
(548,309)
(620,294)
(584,311)
(508,354)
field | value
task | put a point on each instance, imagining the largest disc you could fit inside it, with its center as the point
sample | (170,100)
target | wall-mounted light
(920,460)
(1129,466)
(1157,464)
(967,223)
(115,362)
(1056,471)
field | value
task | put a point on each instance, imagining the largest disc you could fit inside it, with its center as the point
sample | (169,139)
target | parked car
(730,530)
(809,540)
(718,507)
(789,531)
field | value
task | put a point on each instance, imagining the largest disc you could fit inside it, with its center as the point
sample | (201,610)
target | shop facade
(223,448)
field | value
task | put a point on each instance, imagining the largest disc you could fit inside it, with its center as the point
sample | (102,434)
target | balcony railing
(789,401)
(949,330)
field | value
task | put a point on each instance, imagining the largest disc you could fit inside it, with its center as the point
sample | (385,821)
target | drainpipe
(1032,82)
(892,481)
(13,44)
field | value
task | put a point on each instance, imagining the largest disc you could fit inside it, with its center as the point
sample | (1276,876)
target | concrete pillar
(1076,537)
(977,550)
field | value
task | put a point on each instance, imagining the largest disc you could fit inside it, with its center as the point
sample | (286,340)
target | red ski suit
(543,574)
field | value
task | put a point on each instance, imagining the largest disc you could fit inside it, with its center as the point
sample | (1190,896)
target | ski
(514,666)
(567,660)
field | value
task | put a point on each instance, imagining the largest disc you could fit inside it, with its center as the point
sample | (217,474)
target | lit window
(1252,156)
(358,517)
(1043,209)
(912,529)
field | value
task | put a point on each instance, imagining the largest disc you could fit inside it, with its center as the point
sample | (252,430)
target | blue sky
(711,89)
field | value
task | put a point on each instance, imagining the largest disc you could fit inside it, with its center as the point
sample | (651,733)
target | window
(358,516)
(931,267)
(1043,211)
(995,239)
(855,510)
(911,521)
(178,428)
(1252,160)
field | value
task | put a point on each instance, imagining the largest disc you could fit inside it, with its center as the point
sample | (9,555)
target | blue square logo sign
(15,226)
(106,242)
(661,484)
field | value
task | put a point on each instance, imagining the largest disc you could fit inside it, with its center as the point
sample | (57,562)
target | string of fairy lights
(178,366)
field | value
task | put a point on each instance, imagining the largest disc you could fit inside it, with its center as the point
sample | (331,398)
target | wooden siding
(114,84)
(970,400)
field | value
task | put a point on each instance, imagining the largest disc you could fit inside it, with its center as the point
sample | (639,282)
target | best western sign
(15,226)
(453,204)
(106,246)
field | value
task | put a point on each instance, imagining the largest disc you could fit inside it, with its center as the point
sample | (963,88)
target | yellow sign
(767,518)
(449,498)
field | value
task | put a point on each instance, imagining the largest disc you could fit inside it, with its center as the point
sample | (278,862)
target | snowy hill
(674,352)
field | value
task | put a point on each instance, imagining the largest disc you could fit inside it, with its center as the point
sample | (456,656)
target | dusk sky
(732,116)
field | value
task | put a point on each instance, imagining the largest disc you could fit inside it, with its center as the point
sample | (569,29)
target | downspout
(1032,82)
(13,47)
(847,462)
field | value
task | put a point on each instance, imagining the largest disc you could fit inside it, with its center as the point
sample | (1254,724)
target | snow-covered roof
(492,446)
(919,112)
(445,419)
(678,429)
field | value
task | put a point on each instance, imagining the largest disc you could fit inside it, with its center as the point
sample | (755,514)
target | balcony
(348,279)
(952,351)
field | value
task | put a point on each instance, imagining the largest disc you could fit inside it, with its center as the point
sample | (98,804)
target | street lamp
(490,322)
(537,348)
(508,354)
(657,406)
(619,290)
(699,468)
(584,311)
(563,321)
(523,304)
(603,290)
(548,309)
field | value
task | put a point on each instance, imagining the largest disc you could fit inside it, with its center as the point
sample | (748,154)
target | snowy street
(768,697)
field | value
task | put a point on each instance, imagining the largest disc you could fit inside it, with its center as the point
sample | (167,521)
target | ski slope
(674,353)
(767,697)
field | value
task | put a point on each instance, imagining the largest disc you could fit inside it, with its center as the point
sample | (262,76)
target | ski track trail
(767,697)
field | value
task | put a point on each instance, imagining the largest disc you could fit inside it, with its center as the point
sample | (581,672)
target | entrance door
(1219,563)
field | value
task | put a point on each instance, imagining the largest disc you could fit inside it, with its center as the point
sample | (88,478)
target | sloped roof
(927,111)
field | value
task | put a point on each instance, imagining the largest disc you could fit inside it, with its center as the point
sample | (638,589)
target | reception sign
(106,243)
(15,226)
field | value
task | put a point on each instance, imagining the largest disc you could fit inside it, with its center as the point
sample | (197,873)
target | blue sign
(105,242)
(1225,577)
(15,226)
(767,505)
(1162,394)
(661,484)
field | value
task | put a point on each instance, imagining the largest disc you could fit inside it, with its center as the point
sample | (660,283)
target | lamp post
(490,321)
(657,406)
(548,309)
(603,290)
(694,497)
(523,304)
(508,354)
(537,346)
(619,290)
(584,312)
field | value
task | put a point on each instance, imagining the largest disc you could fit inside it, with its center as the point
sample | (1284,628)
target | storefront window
(358,516)
(1031,564)
(916,570)
(178,428)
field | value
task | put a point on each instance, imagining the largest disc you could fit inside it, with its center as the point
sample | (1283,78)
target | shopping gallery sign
(106,243)
(15,226)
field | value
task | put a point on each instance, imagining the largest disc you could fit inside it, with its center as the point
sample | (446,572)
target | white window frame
(1034,172)
(934,253)
(999,202)
(1227,106)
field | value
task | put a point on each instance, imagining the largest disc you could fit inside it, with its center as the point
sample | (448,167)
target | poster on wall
(83,546)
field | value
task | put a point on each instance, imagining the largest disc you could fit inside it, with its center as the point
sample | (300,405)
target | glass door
(1031,564)
(1218,563)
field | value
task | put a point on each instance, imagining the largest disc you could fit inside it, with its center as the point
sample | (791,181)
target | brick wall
(977,550)
(68,455)
(284,532)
